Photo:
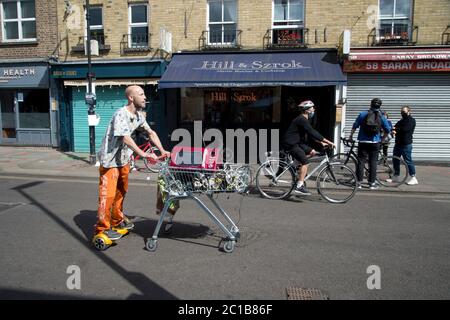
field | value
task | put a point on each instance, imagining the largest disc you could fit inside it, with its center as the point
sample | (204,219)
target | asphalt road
(305,242)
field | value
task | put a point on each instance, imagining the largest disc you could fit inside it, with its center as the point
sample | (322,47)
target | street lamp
(90,97)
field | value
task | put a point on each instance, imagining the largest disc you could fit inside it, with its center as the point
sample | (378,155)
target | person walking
(404,130)
(114,157)
(370,122)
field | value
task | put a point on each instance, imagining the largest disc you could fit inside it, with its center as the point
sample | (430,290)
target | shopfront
(27,116)
(112,78)
(251,90)
(417,77)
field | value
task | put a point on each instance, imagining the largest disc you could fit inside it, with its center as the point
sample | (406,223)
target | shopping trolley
(188,183)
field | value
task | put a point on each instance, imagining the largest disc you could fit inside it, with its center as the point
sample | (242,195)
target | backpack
(371,125)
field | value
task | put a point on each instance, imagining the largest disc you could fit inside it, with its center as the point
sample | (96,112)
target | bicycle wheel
(152,166)
(385,171)
(344,158)
(336,183)
(275,179)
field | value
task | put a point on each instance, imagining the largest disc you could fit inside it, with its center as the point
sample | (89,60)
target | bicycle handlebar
(348,142)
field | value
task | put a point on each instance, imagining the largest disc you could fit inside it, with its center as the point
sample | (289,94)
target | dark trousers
(367,150)
(404,151)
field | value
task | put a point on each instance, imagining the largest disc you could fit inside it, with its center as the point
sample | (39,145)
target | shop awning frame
(115,82)
(307,68)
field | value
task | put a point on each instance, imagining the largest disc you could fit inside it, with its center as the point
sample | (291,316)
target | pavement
(45,162)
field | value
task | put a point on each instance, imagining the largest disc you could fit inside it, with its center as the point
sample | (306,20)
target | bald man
(114,157)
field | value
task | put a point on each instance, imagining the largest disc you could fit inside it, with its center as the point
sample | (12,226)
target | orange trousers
(113,186)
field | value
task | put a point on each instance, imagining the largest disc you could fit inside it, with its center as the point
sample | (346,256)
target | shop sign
(397,66)
(251,66)
(218,96)
(241,96)
(400,56)
(23,76)
(64,74)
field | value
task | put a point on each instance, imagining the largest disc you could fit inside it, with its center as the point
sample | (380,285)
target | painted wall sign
(397,66)
(398,55)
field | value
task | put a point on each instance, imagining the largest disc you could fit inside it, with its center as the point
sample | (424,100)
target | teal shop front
(110,83)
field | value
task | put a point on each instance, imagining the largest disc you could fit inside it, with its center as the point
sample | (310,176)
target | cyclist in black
(295,142)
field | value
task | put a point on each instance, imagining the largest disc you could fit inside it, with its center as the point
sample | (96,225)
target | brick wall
(186,19)
(47,35)
(432,18)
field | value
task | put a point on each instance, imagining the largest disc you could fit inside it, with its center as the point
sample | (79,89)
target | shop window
(222,25)
(288,22)
(138,29)
(33,109)
(96,20)
(230,108)
(19,20)
(192,101)
(254,107)
(395,21)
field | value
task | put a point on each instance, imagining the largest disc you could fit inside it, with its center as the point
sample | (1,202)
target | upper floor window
(288,23)
(96,21)
(395,20)
(138,30)
(222,17)
(288,13)
(19,20)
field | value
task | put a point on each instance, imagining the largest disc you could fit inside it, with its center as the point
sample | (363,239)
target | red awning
(399,54)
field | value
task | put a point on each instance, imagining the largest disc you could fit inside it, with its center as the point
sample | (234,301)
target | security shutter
(428,95)
(109,100)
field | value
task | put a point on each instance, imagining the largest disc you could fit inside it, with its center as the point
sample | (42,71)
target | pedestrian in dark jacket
(369,144)
(404,130)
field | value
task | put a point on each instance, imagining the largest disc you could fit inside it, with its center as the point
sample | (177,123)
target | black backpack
(371,125)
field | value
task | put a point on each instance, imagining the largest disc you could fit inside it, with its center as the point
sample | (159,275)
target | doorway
(8,121)
(325,107)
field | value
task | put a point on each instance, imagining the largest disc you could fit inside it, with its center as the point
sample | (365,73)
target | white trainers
(412,181)
(393,179)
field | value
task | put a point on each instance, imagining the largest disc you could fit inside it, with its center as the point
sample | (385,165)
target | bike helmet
(305,105)
(376,103)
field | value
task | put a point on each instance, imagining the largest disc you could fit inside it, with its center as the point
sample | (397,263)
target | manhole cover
(296,293)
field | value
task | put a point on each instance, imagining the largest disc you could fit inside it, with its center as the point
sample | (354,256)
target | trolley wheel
(151,245)
(229,246)
(100,243)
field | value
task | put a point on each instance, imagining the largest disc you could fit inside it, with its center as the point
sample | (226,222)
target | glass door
(8,121)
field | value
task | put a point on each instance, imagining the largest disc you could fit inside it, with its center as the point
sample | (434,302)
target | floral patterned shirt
(113,151)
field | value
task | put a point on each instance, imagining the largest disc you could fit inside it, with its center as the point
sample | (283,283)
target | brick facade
(47,35)
(325,20)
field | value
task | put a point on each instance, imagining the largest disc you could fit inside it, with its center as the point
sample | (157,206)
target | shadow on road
(147,288)
(145,227)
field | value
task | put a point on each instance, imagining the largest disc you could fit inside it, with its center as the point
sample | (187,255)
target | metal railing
(446,36)
(135,43)
(228,39)
(400,35)
(80,46)
(286,38)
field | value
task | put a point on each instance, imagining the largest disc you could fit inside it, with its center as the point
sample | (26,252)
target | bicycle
(385,166)
(277,176)
(150,165)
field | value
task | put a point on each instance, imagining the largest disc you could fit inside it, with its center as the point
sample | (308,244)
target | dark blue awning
(253,70)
